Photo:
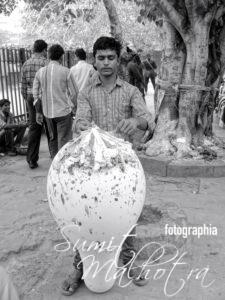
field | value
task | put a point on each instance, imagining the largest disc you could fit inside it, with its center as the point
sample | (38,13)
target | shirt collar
(38,55)
(54,62)
(97,81)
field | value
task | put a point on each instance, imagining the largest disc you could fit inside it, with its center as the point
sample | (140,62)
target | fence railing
(11,61)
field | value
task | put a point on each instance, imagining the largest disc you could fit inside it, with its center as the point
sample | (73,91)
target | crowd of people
(50,91)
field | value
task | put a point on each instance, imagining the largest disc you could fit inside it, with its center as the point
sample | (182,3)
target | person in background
(136,78)
(149,71)
(82,70)
(11,133)
(113,105)
(7,289)
(55,95)
(29,69)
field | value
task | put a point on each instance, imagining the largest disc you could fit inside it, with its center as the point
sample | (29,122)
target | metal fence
(11,61)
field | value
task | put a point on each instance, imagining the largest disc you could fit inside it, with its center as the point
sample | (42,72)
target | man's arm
(140,111)
(73,90)
(37,98)
(83,115)
(141,117)
(24,83)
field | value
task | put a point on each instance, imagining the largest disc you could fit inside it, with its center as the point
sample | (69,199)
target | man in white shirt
(82,70)
(58,93)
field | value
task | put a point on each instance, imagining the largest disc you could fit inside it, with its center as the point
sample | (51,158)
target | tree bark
(166,108)
(194,95)
(115,25)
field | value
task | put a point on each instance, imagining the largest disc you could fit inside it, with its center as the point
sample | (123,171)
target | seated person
(11,133)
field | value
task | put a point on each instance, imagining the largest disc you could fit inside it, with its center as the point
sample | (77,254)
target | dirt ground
(28,234)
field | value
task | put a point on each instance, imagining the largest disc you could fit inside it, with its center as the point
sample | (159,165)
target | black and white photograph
(112,149)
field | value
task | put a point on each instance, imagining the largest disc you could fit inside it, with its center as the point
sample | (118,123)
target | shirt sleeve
(139,108)
(83,107)
(73,89)
(23,83)
(36,87)
(2,124)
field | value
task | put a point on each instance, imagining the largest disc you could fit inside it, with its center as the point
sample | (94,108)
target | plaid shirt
(108,108)
(29,69)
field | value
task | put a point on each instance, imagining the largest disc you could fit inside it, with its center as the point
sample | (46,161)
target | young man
(58,98)
(29,69)
(82,70)
(114,105)
(11,133)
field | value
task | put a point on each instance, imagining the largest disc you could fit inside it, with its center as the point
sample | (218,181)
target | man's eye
(101,58)
(111,57)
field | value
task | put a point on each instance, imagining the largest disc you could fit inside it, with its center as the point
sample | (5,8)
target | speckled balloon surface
(102,203)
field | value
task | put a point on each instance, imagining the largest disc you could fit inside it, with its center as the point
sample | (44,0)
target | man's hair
(80,53)
(3,102)
(105,43)
(55,52)
(40,45)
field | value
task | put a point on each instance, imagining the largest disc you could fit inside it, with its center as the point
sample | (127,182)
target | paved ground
(28,235)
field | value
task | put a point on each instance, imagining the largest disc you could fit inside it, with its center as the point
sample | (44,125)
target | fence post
(22,55)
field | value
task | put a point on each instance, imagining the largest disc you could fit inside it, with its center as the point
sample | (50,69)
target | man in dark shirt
(136,78)
(30,67)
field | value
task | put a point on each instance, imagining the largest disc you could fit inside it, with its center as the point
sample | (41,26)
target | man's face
(6,108)
(106,62)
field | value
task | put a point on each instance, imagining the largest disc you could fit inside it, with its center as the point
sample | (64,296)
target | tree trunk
(166,107)
(184,115)
(115,25)
(193,93)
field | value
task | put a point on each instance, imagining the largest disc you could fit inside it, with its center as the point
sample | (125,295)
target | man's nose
(106,61)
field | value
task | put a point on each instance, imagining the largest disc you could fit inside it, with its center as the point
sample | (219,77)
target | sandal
(72,283)
(138,279)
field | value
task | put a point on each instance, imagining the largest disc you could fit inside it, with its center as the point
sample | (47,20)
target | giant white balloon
(96,191)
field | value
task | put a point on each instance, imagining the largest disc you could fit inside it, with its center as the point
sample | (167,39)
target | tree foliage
(7,6)
(80,23)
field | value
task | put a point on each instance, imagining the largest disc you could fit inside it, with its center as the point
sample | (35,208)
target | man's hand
(127,126)
(39,118)
(81,126)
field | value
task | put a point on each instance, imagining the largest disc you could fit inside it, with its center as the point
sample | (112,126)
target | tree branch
(190,9)
(203,4)
(172,14)
(115,25)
